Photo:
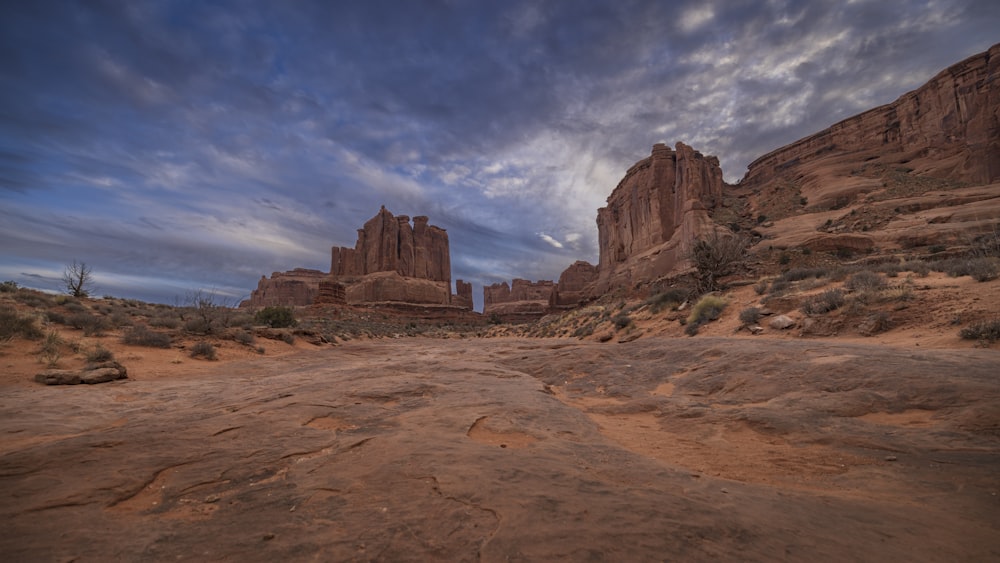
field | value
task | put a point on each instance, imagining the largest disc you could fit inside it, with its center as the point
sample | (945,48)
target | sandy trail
(511,449)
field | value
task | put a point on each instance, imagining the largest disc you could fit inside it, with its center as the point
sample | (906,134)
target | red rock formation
(389,243)
(296,287)
(394,261)
(654,215)
(572,288)
(520,301)
(952,120)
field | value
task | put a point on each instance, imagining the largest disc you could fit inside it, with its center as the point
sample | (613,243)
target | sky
(178,146)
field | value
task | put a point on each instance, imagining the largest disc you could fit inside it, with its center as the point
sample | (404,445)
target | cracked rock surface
(516,450)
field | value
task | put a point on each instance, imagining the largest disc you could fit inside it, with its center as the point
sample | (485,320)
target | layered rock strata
(296,287)
(522,300)
(571,289)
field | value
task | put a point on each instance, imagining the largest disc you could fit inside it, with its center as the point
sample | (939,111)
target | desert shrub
(797,274)
(8,286)
(779,286)
(717,256)
(119,319)
(140,335)
(73,306)
(99,354)
(827,301)
(980,269)
(55,317)
(50,351)
(198,325)
(621,320)
(243,337)
(876,323)
(14,324)
(33,298)
(666,299)
(691,329)
(760,288)
(784,258)
(708,308)
(918,267)
(91,325)
(983,269)
(288,338)
(750,315)
(203,350)
(165,321)
(865,280)
(276,317)
(983,331)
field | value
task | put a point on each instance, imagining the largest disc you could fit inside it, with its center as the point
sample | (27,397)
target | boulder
(91,374)
(781,322)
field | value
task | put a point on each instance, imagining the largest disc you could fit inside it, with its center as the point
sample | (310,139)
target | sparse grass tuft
(707,309)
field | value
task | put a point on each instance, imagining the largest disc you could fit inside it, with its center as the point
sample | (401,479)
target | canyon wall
(654,214)
(953,121)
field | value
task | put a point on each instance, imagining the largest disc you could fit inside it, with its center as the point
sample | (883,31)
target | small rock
(605,336)
(756,329)
(725,491)
(890,458)
(268,537)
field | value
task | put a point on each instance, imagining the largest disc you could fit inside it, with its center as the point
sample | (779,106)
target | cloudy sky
(176,146)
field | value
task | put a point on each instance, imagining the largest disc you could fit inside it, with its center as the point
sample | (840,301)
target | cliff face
(392,262)
(654,214)
(296,288)
(953,120)
(389,243)
(520,301)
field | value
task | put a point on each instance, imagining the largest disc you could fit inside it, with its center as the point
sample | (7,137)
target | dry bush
(825,302)
(760,288)
(750,315)
(140,335)
(717,256)
(666,299)
(797,274)
(203,350)
(986,332)
(50,351)
(621,320)
(865,280)
(14,324)
(99,354)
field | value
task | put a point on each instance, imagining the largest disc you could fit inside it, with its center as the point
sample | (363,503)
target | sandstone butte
(923,170)
(392,263)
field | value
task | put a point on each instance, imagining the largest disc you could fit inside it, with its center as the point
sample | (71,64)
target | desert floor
(511,449)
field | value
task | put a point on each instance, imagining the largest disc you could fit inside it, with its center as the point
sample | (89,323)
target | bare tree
(78,279)
(716,256)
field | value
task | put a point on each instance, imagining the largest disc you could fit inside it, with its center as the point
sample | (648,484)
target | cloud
(209,143)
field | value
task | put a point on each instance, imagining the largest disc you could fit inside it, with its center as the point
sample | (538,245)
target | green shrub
(276,317)
(827,301)
(140,335)
(983,331)
(203,350)
(8,286)
(13,324)
(707,309)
